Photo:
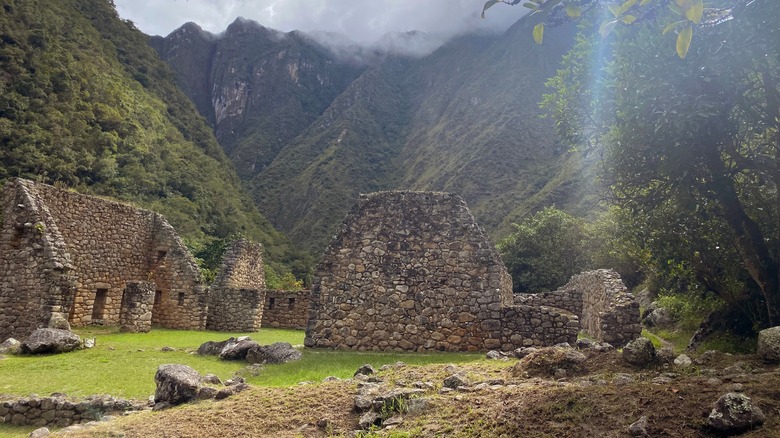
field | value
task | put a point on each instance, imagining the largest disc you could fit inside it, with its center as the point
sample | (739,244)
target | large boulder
(10,346)
(278,352)
(640,352)
(49,340)
(734,413)
(551,361)
(660,317)
(237,350)
(769,344)
(176,384)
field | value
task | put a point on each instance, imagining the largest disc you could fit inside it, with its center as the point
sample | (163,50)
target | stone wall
(61,411)
(238,292)
(135,314)
(286,309)
(607,311)
(413,271)
(74,254)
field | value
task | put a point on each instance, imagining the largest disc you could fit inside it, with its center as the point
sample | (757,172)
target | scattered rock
(735,369)
(769,344)
(683,361)
(603,347)
(213,348)
(562,345)
(623,379)
(734,413)
(451,369)
(211,379)
(493,354)
(707,357)
(639,428)
(278,352)
(456,380)
(236,380)
(546,362)
(422,385)
(325,424)
(640,352)
(665,355)
(90,343)
(584,344)
(661,380)
(370,419)
(206,393)
(10,346)
(167,349)
(47,341)
(365,370)
(40,433)
(230,390)
(714,381)
(59,321)
(331,379)
(523,351)
(237,350)
(176,384)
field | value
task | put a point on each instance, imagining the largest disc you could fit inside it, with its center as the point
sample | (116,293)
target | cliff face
(308,130)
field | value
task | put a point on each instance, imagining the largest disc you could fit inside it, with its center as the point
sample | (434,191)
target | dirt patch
(602,403)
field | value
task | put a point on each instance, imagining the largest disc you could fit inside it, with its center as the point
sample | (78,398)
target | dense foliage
(692,148)
(85,103)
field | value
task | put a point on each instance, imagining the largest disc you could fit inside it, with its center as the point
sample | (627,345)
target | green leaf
(615,9)
(539,33)
(573,11)
(530,5)
(607,28)
(676,9)
(644,2)
(489,4)
(626,6)
(672,26)
(695,11)
(684,41)
(628,19)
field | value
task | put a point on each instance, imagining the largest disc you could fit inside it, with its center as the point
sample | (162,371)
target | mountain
(310,127)
(85,103)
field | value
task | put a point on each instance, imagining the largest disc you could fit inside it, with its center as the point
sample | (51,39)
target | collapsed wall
(607,311)
(286,309)
(238,292)
(413,271)
(63,252)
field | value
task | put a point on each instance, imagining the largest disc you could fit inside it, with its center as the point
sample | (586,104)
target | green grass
(8,431)
(124,365)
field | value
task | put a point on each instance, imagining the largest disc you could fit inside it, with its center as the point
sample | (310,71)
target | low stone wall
(240,310)
(537,326)
(135,315)
(62,411)
(286,309)
(606,310)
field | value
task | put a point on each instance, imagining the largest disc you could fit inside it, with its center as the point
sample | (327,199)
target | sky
(364,21)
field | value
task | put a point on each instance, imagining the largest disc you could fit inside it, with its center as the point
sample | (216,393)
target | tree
(694,141)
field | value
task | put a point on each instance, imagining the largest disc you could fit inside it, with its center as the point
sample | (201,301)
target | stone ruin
(67,256)
(412,271)
(72,255)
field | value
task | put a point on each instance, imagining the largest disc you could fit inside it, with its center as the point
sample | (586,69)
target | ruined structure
(71,254)
(238,292)
(600,299)
(286,309)
(414,271)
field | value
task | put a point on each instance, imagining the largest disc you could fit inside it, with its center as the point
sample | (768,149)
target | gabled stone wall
(413,271)
(286,309)
(238,292)
(74,254)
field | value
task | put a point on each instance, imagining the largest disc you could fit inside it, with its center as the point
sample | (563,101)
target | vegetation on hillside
(86,104)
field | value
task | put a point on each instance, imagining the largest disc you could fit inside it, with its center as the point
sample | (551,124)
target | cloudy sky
(362,20)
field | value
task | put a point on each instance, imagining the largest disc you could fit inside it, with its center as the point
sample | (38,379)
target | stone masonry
(72,254)
(238,292)
(135,314)
(607,311)
(412,271)
(286,309)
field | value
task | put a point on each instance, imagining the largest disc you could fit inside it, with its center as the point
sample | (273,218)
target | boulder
(213,348)
(659,317)
(278,352)
(176,384)
(683,360)
(769,344)
(237,350)
(10,346)
(640,352)
(549,361)
(47,340)
(734,413)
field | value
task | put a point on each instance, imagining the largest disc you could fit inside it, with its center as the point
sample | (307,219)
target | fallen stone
(365,370)
(48,341)
(10,346)
(206,393)
(639,428)
(230,390)
(211,379)
(40,433)
(523,351)
(665,355)
(176,384)
(59,321)
(237,350)
(602,347)
(278,352)
(769,344)
(213,348)
(493,354)
(456,380)
(683,361)
(369,419)
(622,379)
(734,413)
(640,352)
(331,379)
(547,361)
(167,349)
(584,344)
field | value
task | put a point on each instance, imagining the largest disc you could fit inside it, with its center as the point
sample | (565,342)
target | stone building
(71,254)
(238,292)
(286,309)
(414,271)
